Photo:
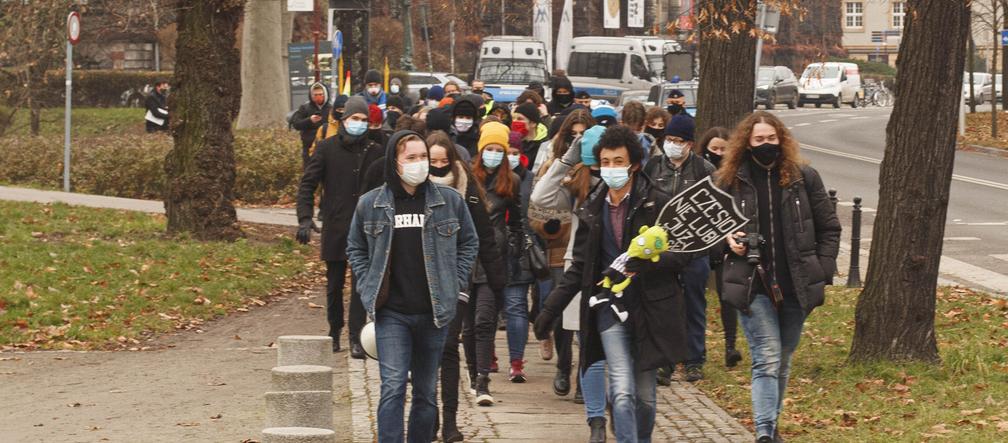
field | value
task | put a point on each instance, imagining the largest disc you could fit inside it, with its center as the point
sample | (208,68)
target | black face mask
(439,172)
(477,91)
(597,173)
(337,115)
(674,108)
(454,95)
(715,159)
(765,154)
(657,133)
(563,99)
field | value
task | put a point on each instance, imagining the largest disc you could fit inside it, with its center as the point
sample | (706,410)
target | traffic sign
(337,44)
(1004,37)
(73,28)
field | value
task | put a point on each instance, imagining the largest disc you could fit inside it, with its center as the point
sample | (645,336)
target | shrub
(95,88)
(268,164)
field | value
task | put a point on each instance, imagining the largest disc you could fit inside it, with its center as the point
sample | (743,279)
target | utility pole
(407,58)
(503,28)
(761,24)
(426,32)
(315,35)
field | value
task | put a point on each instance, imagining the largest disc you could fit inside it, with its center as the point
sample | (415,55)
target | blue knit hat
(435,92)
(682,126)
(589,139)
(605,115)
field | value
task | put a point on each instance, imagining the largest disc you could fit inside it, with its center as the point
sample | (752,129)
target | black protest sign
(699,217)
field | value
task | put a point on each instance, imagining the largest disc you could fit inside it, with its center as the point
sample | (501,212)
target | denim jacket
(449,242)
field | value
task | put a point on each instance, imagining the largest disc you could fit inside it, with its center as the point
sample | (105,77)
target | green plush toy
(647,245)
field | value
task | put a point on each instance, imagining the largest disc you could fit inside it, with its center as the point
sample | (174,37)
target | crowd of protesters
(457,212)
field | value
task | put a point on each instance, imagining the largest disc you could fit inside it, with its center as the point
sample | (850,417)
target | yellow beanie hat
(493,133)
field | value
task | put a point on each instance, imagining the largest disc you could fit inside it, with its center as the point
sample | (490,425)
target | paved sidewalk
(531,412)
(269,216)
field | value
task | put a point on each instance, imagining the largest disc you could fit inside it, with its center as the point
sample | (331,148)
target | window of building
(898,14)
(854,15)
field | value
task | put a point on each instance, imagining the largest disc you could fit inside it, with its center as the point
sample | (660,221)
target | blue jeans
(632,392)
(516,312)
(694,282)
(408,343)
(773,337)
(593,390)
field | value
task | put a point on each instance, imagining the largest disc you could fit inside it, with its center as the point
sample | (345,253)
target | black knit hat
(372,76)
(530,111)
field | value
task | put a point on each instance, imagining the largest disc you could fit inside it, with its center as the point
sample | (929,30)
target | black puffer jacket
(811,233)
(657,311)
(504,227)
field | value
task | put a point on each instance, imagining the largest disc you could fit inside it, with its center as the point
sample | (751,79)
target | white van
(655,48)
(606,66)
(508,63)
(832,83)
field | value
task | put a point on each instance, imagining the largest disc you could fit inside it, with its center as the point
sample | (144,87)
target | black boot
(597,425)
(450,432)
(731,356)
(357,351)
(335,341)
(578,398)
(483,397)
(561,383)
(664,376)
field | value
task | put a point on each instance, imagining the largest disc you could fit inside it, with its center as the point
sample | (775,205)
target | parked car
(776,84)
(420,80)
(985,91)
(832,83)
(635,95)
(605,67)
(980,79)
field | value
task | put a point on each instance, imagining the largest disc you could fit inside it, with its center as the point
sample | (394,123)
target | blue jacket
(449,242)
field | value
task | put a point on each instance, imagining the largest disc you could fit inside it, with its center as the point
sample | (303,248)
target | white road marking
(962,238)
(962,178)
(842,115)
(1000,256)
(829,120)
(861,118)
(989,280)
(1004,223)
(798,125)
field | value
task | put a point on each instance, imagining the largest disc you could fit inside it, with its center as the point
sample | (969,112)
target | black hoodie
(409,291)
(558,104)
(470,138)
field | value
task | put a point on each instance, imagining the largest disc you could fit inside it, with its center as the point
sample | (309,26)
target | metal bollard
(854,274)
(833,198)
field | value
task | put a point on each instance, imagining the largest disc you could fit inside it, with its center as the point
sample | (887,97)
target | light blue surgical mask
(616,178)
(514,160)
(492,159)
(355,127)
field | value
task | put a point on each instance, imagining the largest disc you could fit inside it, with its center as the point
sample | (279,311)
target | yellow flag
(386,74)
(340,72)
(346,84)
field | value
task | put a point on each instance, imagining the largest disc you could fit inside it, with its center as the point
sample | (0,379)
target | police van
(607,66)
(655,48)
(508,63)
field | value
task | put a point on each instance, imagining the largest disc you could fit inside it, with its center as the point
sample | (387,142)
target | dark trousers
(469,333)
(335,280)
(694,283)
(562,338)
(729,315)
(485,326)
(450,367)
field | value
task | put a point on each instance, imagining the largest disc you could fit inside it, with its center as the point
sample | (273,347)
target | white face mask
(514,160)
(394,89)
(463,124)
(374,90)
(414,173)
(615,177)
(674,150)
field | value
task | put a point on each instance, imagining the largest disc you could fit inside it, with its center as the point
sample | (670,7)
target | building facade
(872,29)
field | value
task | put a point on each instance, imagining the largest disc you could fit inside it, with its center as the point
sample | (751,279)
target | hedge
(132,166)
(92,88)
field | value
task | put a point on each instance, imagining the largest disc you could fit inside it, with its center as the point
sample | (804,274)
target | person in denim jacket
(411,247)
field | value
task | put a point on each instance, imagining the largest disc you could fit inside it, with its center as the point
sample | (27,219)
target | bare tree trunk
(894,319)
(1004,64)
(972,64)
(206,94)
(993,73)
(262,73)
(728,69)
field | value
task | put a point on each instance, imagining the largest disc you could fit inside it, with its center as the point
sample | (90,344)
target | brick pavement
(531,412)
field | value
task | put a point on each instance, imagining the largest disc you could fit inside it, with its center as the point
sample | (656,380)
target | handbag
(538,263)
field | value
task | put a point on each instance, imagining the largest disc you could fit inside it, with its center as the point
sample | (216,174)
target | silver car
(420,80)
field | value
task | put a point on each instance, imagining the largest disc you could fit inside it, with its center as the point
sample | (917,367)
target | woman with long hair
(448,169)
(794,228)
(492,169)
(573,125)
(711,147)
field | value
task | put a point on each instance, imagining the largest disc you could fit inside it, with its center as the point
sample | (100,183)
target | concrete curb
(298,435)
(997,152)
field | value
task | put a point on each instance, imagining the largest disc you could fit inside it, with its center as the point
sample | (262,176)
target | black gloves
(552,226)
(544,324)
(639,265)
(304,231)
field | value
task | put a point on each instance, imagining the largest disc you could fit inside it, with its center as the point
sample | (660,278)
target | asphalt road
(845,145)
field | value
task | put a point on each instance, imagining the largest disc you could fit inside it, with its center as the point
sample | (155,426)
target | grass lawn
(978,130)
(83,121)
(81,278)
(965,399)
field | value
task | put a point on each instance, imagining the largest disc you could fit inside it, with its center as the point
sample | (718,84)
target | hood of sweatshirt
(392,178)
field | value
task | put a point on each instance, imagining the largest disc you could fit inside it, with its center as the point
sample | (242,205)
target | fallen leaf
(972,411)
(313,305)
(187,424)
(216,417)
